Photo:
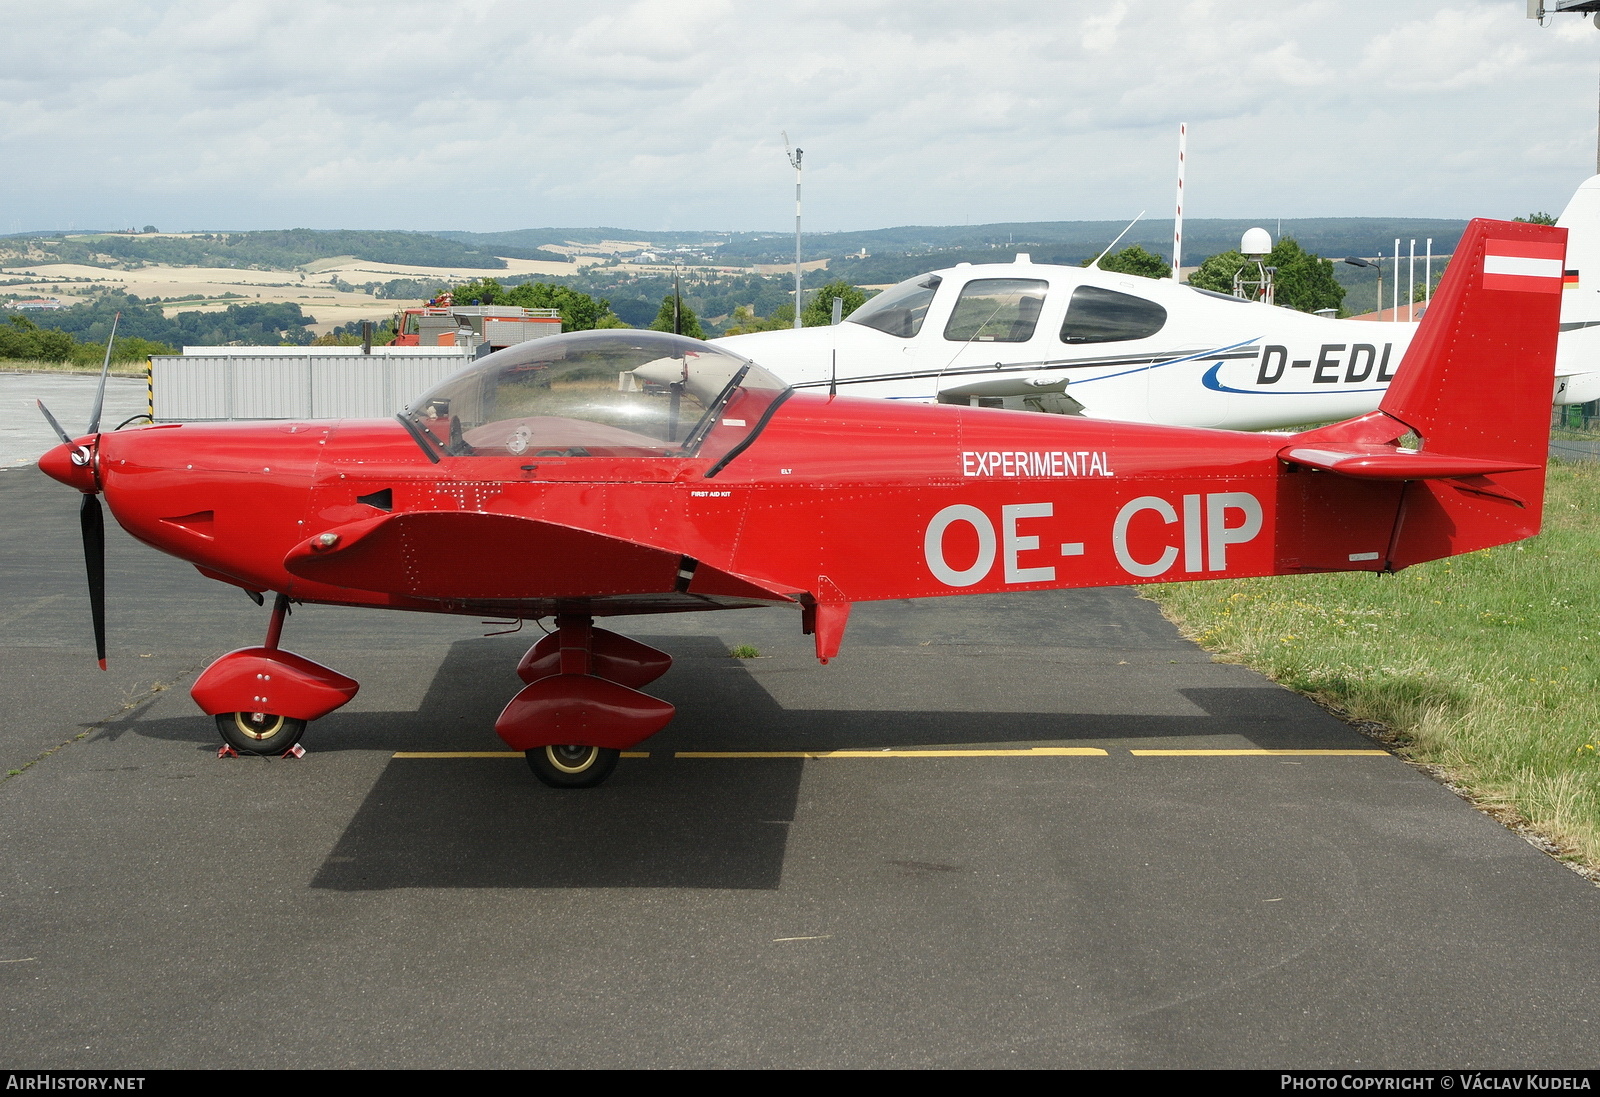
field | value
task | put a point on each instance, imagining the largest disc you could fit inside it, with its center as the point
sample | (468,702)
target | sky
(661,114)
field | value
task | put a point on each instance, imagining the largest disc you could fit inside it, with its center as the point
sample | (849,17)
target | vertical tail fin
(1475,385)
(1581,219)
(1578,356)
(1477,379)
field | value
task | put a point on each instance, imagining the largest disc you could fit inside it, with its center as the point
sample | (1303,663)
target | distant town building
(35,304)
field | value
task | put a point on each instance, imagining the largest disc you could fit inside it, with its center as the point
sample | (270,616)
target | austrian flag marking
(1531,266)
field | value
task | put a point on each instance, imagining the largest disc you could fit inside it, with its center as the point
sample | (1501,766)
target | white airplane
(1078,340)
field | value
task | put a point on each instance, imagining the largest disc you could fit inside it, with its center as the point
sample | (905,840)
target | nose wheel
(242,688)
(572,766)
(259,732)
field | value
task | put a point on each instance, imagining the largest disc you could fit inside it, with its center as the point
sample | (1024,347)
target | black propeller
(93,524)
(91,518)
(105,371)
(51,419)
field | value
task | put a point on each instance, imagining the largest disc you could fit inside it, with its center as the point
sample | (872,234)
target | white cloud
(505,115)
(1453,48)
(1100,31)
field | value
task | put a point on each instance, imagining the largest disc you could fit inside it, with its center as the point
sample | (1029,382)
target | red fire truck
(441,323)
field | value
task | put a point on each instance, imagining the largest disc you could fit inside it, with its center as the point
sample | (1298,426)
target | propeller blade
(91,518)
(60,433)
(105,371)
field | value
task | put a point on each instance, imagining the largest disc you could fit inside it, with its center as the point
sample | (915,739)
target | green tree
(579,311)
(130,349)
(1304,280)
(349,335)
(688,322)
(1540,218)
(818,312)
(1135,260)
(745,320)
(480,291)
(20,337)
(1216,272)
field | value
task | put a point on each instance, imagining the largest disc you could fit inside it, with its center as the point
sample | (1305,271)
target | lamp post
(794,158)
(1378,266)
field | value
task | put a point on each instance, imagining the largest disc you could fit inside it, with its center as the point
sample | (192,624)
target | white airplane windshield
(1098,315)
(599,394)
(997,310)
(899,310)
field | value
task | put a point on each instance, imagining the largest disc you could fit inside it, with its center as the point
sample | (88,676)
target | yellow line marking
(1258,753)
(457,754)
(1031,752)
(488,754)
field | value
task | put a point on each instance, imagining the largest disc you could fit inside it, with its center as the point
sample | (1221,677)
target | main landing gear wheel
(572,766)
(259,732)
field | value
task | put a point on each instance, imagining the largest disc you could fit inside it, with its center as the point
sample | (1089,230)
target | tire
(270,734)
(572,766)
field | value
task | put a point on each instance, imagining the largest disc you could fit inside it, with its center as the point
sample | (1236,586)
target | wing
(465,555)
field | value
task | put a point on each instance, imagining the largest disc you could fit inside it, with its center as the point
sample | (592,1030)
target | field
(1484,668)
(334,291)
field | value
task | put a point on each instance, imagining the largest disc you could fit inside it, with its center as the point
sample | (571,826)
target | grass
(29,365)
(744,651)
(1485,667)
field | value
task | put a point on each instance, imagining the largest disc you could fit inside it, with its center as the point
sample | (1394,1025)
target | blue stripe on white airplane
(1200,357)
(1214,383)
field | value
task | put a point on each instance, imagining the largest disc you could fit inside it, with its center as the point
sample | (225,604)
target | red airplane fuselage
(845,499)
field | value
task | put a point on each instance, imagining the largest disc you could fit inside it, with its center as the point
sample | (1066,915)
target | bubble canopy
(611,393)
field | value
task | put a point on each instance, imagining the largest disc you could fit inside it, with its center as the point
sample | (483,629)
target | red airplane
(608,473)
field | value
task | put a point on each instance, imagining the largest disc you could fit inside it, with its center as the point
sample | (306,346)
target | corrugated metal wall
(255,384)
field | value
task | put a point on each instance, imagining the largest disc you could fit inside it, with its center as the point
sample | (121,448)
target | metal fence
(219,383)
(1578,416)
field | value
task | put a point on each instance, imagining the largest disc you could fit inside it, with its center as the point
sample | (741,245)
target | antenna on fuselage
(838,315)
(1114,243)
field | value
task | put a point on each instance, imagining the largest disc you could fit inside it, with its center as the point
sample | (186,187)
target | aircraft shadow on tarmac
(661,822)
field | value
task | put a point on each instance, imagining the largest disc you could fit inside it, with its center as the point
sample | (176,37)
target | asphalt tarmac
(24,433)
(161,907)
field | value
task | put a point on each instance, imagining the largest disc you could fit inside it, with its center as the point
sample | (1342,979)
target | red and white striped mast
(1177,221)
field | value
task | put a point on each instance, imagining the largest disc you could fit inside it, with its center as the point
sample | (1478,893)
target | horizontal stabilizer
(1383,462)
